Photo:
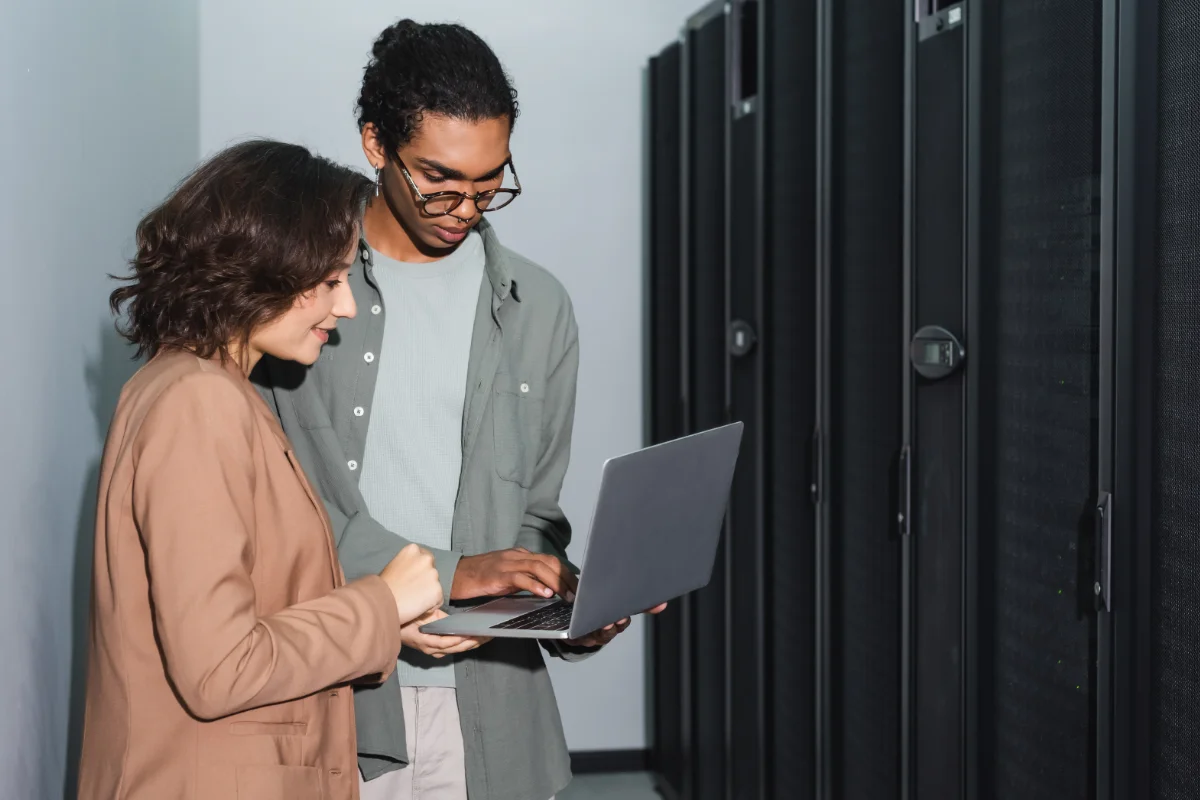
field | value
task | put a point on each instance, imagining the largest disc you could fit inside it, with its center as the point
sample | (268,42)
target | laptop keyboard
(555,617)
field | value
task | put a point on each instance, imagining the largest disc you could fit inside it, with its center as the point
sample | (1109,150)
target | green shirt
(518,412)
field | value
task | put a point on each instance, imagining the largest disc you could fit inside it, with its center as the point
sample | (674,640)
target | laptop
(654,537)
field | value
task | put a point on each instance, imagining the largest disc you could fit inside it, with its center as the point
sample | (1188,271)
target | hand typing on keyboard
(505,572)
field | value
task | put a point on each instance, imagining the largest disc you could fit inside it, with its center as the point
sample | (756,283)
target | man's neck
(386,235)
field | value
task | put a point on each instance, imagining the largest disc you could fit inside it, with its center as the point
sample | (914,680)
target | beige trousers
(436,768)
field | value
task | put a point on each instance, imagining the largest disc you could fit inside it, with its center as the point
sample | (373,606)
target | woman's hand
(434,645)
(414,582)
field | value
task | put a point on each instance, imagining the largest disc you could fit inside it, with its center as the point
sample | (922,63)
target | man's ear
(372,147)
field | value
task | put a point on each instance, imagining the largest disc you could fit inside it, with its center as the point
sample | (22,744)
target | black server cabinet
(745,539)
(703,193)
(1155,732)
(786,165)
(735,703)
(860,220)
(770,280)
(934,420)
(664,379)
(1035,370)
(1004,672)
(1174,503)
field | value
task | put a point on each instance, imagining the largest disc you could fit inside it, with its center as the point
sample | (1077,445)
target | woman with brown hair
(222,634)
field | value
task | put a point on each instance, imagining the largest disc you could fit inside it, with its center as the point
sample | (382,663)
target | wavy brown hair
(252,229)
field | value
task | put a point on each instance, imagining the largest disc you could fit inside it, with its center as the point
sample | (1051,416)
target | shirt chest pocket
(517,407)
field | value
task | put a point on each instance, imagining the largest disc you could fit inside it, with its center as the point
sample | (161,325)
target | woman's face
(299,333)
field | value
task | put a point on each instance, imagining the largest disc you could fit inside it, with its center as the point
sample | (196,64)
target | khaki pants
(436,768)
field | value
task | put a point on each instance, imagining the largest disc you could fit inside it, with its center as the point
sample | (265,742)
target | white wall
(98,118)
(288,70)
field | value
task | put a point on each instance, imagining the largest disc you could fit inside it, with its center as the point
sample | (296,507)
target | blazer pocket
(247,728)
(516,428)
(278,783)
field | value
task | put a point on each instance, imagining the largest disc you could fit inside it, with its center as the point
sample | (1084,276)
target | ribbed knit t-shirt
(413,457)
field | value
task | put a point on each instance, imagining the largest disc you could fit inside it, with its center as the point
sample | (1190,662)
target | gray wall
(288,70)
(98,118)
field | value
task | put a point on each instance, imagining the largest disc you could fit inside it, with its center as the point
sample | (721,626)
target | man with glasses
(442,415)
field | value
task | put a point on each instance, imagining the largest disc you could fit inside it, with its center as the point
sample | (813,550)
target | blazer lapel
(267,420)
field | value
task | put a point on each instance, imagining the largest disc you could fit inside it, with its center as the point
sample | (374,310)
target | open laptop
(654,538)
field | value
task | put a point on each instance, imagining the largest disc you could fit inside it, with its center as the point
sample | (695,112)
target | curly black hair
(437,69)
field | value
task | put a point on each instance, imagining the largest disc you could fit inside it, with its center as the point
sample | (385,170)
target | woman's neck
(246,358)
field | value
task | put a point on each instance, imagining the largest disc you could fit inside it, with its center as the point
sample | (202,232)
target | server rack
(664,379)
(706,774)
(786,111)
(745,690)
(1045,506)
(745,367)
(860,239)
(934,413)
(1154,734)
(1004,676)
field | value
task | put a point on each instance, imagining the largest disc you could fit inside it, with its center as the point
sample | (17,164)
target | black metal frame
(689,734)
(746,527)
(922,30)
(904,521)
(667,718)
(823,588)
(973,193)
(1106,483)
(834,695)
(687,705)
(1133,115)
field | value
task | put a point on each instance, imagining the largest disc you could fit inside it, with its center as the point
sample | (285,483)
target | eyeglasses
(442,203)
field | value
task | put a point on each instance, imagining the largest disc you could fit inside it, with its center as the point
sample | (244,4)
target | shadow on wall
(105,375)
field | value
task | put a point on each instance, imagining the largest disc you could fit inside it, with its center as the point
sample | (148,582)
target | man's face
(445,155)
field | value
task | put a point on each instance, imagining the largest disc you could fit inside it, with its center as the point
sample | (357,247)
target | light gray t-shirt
(413,456)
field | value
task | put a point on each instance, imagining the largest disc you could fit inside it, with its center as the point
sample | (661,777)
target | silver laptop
(654,538)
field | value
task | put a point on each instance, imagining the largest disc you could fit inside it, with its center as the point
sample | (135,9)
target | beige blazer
(222,637)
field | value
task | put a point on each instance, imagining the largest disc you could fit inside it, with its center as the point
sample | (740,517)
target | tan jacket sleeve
(193,501)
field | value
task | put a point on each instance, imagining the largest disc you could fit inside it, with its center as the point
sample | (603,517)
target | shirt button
(353,465)
(359,411)
(376,309)
(368,357)
(524,387)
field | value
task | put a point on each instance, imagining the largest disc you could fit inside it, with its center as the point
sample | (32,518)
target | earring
(378,180)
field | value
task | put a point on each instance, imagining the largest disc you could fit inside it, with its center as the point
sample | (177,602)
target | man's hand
(506,572)
(609,632)
(434,645)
